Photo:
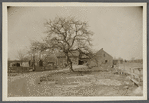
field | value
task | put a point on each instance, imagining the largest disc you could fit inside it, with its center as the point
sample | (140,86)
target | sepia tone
(75,51)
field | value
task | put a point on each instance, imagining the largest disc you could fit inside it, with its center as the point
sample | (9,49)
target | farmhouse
(101,58)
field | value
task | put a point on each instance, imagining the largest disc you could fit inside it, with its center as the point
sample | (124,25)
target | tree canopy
(66,35)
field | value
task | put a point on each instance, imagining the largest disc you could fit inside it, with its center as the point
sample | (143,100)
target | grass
(90,84)
(66,83)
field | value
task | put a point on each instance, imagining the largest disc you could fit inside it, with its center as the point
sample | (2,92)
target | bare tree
(66,35)
(20,55)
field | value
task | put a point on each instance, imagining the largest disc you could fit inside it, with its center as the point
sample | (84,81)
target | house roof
(76,54)
(73,53)
(101,50)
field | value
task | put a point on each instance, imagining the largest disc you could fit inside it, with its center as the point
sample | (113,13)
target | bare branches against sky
(119,30)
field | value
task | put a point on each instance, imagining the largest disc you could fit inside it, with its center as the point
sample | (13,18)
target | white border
(101,98)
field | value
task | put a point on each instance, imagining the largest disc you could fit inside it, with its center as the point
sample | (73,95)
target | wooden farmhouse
(100,58)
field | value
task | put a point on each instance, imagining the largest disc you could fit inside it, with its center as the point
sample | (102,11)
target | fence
(134,70)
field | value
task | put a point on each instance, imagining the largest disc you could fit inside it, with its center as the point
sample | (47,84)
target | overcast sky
(118,30)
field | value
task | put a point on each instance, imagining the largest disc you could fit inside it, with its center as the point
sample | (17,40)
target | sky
(118,30)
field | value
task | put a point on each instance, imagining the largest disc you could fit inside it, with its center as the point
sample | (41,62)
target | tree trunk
(34,68)
(71,67)
(69,62)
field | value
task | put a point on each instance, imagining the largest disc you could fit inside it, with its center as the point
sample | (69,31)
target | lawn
(90,84)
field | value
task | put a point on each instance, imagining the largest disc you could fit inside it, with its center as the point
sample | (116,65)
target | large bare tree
(66,35)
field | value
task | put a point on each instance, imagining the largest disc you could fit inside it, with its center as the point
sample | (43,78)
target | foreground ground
(65,83)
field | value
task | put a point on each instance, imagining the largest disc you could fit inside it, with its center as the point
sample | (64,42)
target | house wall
(101,59)
(74,60)
(62,61)
(104,59)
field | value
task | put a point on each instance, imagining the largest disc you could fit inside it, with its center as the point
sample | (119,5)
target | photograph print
(74,50)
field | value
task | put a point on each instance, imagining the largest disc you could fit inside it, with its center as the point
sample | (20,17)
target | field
(127,66)
(66,83)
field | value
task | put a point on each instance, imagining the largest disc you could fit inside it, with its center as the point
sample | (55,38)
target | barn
(101,59)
